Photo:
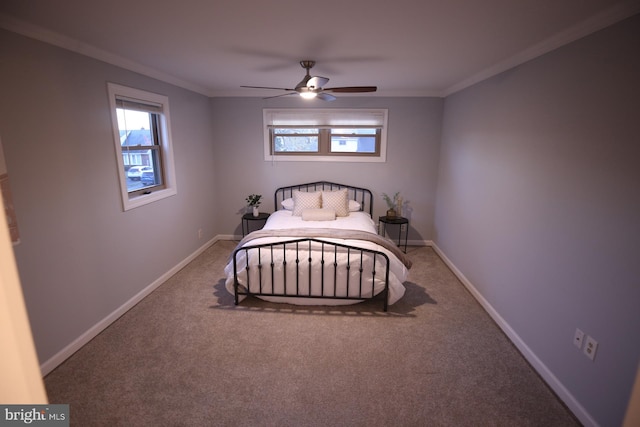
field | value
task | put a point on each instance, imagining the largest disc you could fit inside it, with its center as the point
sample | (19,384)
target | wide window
(142,138)
(325,135)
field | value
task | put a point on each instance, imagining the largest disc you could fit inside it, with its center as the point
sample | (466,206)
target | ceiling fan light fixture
(314,87)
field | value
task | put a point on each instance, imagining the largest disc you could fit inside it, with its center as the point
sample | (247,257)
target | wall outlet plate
(590,348)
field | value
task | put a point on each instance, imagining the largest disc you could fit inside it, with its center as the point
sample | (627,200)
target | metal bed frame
(304,253)
(360,195)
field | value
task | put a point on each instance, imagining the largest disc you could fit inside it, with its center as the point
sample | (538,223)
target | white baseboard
(420,243)
(83,339)
(565,395)
(229,237)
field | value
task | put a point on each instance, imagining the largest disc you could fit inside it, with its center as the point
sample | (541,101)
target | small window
(144,154)
(355,141)
(325,135)
(295,140)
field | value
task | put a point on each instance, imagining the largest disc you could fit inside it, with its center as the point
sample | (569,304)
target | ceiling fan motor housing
(302,86)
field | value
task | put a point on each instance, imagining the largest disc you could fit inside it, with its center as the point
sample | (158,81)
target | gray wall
(536,177)
(411,167)
(81,257)
(538,206)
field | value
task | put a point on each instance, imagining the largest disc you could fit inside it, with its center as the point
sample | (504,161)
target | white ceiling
(405,47)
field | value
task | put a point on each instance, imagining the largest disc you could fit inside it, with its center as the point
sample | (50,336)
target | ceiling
(405,47)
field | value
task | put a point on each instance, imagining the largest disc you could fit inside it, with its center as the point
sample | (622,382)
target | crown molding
(597,22)
(38,33)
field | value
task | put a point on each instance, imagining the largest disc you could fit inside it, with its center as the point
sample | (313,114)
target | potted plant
(253,201)
(392,203)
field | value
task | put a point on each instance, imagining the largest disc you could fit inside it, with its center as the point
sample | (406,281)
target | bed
(320,247)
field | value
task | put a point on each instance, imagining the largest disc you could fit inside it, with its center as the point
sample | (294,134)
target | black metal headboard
(360,195)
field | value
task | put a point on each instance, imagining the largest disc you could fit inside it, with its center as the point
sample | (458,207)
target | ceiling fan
(313,87)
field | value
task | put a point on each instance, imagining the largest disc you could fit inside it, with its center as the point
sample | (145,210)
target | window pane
(141,171)
(353,140)
(353,144)
(129,120)
(141,165)
(295,140)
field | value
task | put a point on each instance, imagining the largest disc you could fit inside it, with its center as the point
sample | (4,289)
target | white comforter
(283,220)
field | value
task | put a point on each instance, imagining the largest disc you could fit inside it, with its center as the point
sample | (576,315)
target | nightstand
(246,218)
(396,221)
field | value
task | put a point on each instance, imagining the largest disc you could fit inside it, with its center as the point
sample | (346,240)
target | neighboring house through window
(142,138)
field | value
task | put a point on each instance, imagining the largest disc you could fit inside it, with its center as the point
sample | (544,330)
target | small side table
(399,221)
(249,217)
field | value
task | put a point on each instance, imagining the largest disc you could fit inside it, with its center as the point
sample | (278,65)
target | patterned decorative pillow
(337,201)
(306,200)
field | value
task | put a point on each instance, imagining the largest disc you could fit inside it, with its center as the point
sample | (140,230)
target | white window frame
(131,201)
(338,117)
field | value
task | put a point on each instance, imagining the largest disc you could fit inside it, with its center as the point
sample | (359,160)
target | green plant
(254,200)
(391,201)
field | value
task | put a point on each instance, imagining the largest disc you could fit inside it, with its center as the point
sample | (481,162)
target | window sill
(302,158)
(145,199)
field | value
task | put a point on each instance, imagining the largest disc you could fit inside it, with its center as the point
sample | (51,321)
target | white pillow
(288,204)
(318,215)
(336,200)
(306,200)
(354,206)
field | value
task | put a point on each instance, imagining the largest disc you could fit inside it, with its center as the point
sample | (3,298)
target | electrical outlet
(590,347)
(403,227)
(200,233)
(578,337)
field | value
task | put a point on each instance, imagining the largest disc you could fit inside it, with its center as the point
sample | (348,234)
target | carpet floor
(187,356)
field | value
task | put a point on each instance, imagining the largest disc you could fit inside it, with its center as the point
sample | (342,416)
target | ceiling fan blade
(325,96)
(317,82)
(284,94)
(263,87)
(351,89)
(311,87)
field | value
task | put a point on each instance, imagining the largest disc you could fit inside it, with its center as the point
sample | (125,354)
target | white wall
(538,206)
(81,257)
(411,167)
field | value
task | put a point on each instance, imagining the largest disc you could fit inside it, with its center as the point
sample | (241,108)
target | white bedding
(345,279)
(283,219)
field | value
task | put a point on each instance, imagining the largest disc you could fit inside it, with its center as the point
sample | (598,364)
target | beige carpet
(187,356)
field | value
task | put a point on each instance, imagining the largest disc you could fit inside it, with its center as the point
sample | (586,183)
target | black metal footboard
(310,268)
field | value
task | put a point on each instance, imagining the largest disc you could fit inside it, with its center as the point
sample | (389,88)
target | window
(142,137)
(325,135)
(295,140)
